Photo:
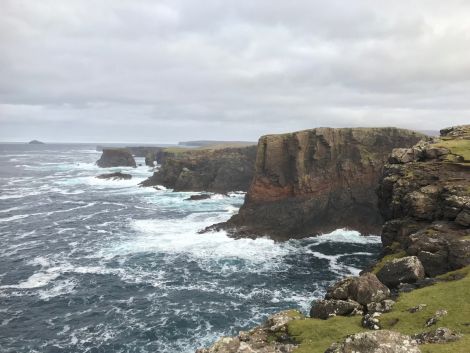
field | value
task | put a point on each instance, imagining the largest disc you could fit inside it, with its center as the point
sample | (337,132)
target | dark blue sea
(90,265)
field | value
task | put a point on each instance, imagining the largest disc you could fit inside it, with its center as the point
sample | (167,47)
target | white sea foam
(12,218)
(346,236)
(180,236)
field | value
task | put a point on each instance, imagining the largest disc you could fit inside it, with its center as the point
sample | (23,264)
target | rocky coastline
(219,170)
(315,181)
(416,297)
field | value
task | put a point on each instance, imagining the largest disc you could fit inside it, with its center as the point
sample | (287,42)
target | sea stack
(116,157)
(317,180)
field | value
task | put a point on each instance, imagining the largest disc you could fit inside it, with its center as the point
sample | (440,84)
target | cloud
(162,71)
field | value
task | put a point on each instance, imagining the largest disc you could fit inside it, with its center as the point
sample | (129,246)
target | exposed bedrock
(425,200)
(215,170)
(317,180)
(116,157)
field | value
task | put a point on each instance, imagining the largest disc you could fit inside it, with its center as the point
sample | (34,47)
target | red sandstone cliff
(317,180)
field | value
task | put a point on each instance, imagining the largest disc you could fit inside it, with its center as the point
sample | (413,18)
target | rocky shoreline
(219,170)
(416,298)
(315,181)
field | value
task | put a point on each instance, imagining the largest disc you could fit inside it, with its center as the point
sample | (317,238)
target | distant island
(36,142)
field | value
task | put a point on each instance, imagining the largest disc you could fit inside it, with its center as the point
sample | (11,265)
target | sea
(92,265)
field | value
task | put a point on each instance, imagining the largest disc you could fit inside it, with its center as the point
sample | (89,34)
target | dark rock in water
(214,170)
(115,176)
(404,270)
(382,341)
(324,309)
(116,157)
(35,142)
(318,180)
(424,197)
(440,335)
(198,197)
(363,289)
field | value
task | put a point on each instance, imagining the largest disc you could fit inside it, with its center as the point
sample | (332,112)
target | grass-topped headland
(451,293)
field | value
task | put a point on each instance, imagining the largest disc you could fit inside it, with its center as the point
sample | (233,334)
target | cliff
(408,301)
(317,180)
(210,169)
(425,201)
(116,157)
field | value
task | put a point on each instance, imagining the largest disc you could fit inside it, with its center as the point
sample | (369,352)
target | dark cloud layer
(163,71)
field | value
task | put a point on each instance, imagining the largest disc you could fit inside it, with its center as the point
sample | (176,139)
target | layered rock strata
(318,180)
(424,197)
(425,201)
(214,170)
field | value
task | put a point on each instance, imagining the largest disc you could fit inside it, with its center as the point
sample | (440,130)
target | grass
(386,259)
(452,294)
(459,147)
(315,335)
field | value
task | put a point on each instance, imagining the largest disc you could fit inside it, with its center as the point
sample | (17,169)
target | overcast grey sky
(163,71)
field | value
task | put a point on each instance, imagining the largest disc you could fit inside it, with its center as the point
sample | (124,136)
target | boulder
(260,339)
(382,341)
(323,309)
(371,321)
(362,289)
(383,306)
(116,157)
(436,317)
(439,335)
(115,176)
(404,270)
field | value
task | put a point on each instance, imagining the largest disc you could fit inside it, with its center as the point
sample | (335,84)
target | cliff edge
(415,298)
(318,180)
(209,169)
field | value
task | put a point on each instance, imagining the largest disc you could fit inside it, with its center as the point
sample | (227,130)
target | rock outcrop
(317,180)
(424,197)
(115,176)
(271,337)
(425,200)
(214,170)
(35,142)
(403,270)
(116,157)
(376,342)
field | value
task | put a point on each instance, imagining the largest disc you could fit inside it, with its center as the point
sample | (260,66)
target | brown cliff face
(425,200)
(317,180)
(216,170)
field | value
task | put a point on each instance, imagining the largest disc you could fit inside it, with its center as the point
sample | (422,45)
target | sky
(156,71)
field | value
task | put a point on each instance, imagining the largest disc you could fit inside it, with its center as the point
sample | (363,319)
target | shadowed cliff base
(314,181)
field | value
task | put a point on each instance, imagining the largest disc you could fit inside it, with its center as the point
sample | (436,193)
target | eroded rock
(362,289)
(440,335)
(323,309)
(115,176)
(382,341)
(404,270)
(116,157)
